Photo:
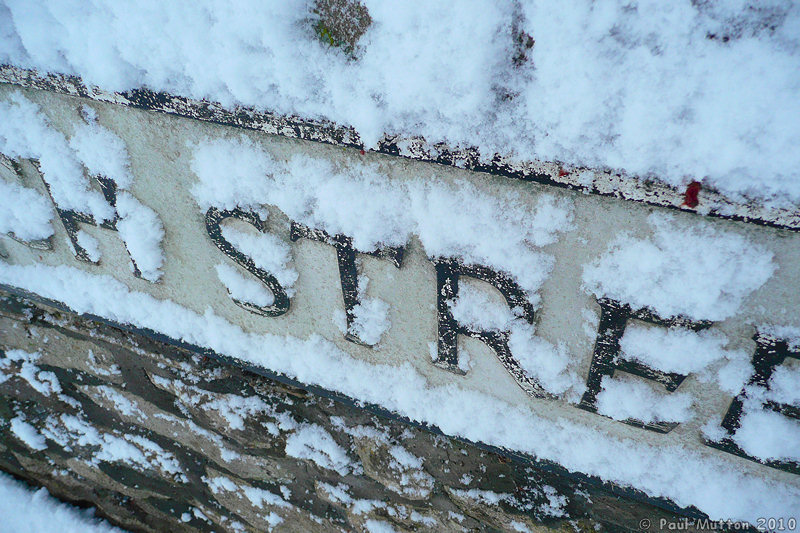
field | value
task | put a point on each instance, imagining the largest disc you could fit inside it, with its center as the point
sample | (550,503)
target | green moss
(324,34)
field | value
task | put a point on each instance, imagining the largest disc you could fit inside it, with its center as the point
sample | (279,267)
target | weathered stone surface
(161,439)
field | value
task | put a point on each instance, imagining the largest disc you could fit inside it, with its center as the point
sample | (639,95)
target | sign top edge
(696,198)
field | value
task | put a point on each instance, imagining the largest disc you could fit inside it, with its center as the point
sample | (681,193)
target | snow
(783,385)
(35,511)
(362,202)
(694,270)
(27,434)
(26,133)
(622,398)
(24,212)
(267,251)
(475,308)
(768,435)
(100,150)
(678,350)
(680,90)
(234,409)
(371,320)
(378,526)
(90,244)
(142,232)
(71,430)
(242,288)
(312,442)
(547,363)
(674,91)
(670,470)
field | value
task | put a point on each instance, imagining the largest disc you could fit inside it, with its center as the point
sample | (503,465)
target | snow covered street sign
(578,317)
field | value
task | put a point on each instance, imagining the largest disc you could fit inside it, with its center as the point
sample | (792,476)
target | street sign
(630,339)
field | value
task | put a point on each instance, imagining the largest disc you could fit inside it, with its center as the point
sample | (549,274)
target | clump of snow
(89,244)
(313,443)
(622,398)
(242,288)
(542,360)
(267,251)
(484,496)
(556,504)
(378,526)
(677,89)
(233,408)
(142,232)
(678,350)
(34,511)
(100,150)
(475,309)
(698,271)
(790,334)
(362,202)
(24,212)
(257,497)
(370,320)
(768,435)
(783,385)
(26,133)
(74,431)
(27,434)
(733,375)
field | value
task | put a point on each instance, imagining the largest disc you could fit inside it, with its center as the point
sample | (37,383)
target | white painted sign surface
(634,391)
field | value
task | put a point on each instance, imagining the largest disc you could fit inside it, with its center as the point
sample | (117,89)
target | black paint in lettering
(348,271)
(607,357)
(214,218)
(70,218)
(770,353)
(448,271)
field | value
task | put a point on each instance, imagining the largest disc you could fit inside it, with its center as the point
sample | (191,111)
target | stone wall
(160,438)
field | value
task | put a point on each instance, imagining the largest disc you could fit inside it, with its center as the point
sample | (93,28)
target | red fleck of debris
(690,196)
(362,152)
(562,172)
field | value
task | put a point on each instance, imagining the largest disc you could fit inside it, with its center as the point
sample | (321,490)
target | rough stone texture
(160,438)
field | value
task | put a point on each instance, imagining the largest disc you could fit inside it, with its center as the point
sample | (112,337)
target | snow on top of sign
(242,288)
(370,320)
(677,350)
(686,476)
(783,385)
(142,231)
(693,270)
(100,150)
(679,90)
(539,358)
(623,397)
(26,133)
(364,203)
(267,251)
(24,212)
(768,435)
